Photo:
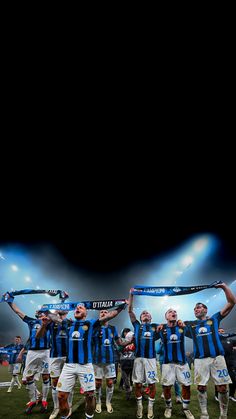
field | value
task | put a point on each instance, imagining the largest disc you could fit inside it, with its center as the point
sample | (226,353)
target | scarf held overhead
(90,305)
(170,291)
(9,295)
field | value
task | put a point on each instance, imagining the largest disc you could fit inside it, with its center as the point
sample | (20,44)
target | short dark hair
(142,313)
(19,337)
(203,305)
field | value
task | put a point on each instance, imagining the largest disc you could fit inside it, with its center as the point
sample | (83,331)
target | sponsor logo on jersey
(173,337)
(202,330)
(147,334)
(62,333)
(107,342)
(75,335)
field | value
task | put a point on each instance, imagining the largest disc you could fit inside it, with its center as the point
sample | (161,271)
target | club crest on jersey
(180,330)
(106,342)
(85,327)
(209,322)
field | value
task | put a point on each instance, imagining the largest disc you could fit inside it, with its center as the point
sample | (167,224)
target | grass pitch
(12,405)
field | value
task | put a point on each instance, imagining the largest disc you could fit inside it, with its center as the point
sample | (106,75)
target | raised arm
(114,313)
(231,299)
(130,307)
(17,310)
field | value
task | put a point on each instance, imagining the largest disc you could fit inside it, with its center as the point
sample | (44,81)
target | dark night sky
(108,237)
(106,244)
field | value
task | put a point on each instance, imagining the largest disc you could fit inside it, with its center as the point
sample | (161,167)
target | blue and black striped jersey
(59,338)
(205,335)
(14,351)
(36,343)
(145,335)
(103,344)
(80,341)
(173,344)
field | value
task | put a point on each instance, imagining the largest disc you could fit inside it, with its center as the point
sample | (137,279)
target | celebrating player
(145,367)
(175,366)
(209,353)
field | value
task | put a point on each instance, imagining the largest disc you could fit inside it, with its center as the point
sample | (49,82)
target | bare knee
(152,391)
(222,388)
(109,382)
(138,389)
(202,389)
(98,383)
(167,392)
(186,392)
(62,396)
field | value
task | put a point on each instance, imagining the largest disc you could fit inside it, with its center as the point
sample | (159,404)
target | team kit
(65,351)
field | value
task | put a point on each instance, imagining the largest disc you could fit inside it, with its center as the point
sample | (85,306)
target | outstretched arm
(113,313)
(17,310)
(231,299)
(130,307)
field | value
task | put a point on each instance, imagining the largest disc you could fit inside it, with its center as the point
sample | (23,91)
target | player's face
(62,314)
(200,311)
(145,317)
(80,312)
(171,315)
(17,341)
(102,314)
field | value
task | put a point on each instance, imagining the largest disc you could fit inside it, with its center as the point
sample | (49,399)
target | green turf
(12,405)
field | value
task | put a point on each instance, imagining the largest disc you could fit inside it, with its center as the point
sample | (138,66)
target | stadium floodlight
(14,268)
(200,244)
(187,261)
